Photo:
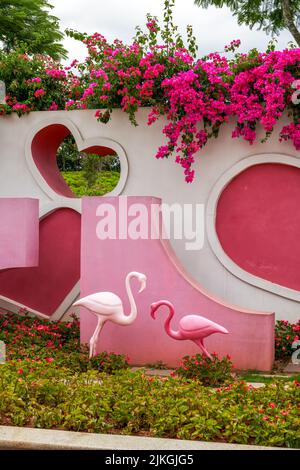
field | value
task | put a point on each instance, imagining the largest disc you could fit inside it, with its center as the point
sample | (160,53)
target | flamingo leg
(200,343)
(94,338)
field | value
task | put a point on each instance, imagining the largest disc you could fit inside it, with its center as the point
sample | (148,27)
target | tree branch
(289,21)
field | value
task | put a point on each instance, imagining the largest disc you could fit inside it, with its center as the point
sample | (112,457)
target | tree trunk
(289,21)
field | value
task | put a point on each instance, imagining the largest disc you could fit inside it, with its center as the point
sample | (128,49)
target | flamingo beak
(153,309)
(223,330)
(143,284)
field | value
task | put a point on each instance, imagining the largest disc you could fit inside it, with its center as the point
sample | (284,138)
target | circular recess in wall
(253,222)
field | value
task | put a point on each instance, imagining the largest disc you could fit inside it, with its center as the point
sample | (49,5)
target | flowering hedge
(47,382)
(209,371)
(32,337)
(40,395)
(286,334)
(196,95)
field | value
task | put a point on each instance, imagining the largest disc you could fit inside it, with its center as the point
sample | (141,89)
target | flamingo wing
(194,323)
(104,303)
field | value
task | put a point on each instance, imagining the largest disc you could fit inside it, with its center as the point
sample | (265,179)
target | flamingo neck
(174,334)
(128,319)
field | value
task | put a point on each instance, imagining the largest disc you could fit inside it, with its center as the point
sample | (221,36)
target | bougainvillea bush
(197,95)
(286,335)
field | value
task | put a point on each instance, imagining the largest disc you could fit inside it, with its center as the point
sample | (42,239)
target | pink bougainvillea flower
(53,107)
(56,73)
(196,96)
(35,80)
(39,92)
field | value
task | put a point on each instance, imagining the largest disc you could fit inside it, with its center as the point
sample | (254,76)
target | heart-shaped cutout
(258,222)
(44,288)
(41,154)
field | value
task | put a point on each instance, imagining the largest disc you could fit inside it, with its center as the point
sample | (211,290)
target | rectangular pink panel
(104,266)
(19,232)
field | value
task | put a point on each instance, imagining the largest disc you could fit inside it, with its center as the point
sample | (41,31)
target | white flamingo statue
(108,306)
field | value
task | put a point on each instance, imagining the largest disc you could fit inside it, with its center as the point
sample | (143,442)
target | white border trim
(213,239)
(82,144)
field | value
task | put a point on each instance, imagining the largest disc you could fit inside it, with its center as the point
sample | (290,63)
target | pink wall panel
(19,232)
(104,265)
(43,288)
(258,222)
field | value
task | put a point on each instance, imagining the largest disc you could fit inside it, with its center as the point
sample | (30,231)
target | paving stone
(256,384)
(292,368)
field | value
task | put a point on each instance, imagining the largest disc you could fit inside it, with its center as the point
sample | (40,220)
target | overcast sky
(117,19)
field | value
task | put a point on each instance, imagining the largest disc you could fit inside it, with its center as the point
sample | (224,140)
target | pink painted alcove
(44,148)
(258,222)
(44,287)
(104,265)
(19,232)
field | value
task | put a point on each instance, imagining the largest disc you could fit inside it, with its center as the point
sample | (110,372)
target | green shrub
(27,333)
(35,339)
(109,362)
(285,334)
(210,372)
(105,182)
(40,394)
(49,382)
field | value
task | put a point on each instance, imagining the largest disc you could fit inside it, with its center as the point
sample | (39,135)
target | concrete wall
(219,162)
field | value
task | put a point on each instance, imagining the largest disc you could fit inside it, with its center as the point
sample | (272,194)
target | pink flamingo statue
(108,306)
(193,327)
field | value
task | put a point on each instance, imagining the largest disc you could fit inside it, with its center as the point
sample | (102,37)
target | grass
(106,182)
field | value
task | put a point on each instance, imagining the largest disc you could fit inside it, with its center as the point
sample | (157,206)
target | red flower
(41,327)
(39,92)
(20,371)
(49,359)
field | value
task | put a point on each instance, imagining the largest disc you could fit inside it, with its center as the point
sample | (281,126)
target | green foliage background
(29,23)
(105,182)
